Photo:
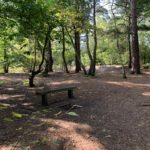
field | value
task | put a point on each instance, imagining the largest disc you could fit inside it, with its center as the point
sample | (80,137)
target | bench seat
(44,93)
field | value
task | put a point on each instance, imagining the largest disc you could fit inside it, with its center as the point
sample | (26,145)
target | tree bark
(95,38)
(6,63)
(135,41)
(82,66)
(89,54)
(33,71)
(48,58)
(92,69)
(77,52)
(31,78)
(64,50)
(129,43)
(88,48)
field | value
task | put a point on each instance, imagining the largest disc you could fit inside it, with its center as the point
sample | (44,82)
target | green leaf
(17,115)
(72,114)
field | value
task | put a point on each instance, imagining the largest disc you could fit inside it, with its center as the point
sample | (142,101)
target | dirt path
(115,113)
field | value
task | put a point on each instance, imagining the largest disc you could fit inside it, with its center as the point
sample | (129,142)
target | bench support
(44,100)
(70,93)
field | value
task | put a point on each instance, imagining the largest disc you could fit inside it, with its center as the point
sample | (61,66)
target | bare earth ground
(115,113)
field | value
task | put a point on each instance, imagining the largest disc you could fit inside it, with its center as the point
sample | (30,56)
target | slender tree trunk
(89,54)
(34,72)
(31,78)
(6,64)
(77,52)
(64,49)
(95,38)
(129,43)
(92,69)
(48,58)
(88,48)
(130,52)
(82,65)
(135,41)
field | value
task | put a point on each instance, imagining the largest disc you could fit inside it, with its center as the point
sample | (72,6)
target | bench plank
(45,92)
(54,90)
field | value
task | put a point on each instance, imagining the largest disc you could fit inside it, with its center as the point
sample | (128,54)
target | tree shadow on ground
(111,116)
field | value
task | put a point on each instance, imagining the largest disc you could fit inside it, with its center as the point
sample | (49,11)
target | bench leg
(44,100)
(70,93)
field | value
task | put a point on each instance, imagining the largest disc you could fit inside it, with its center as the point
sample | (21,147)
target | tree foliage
(24,27)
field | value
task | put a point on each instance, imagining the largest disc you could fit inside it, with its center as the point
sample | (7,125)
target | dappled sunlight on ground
(114,113)
(6,96)
(6,147)
(65,82)
(10,89)
(77,133)
(146,93)
(128,84)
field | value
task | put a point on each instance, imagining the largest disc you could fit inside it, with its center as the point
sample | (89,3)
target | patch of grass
(146,66)
(1,69)
(3,107)
(16,69)
(25,82)
(2,82)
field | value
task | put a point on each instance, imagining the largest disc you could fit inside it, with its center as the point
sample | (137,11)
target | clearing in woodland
(108,113)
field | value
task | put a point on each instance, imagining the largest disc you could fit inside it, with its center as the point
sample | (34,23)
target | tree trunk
(95,38)
(89,54)
(130,52)
(6,64)
(34,72)
(135,41)
(82,65)
(31,79)
(77,52)
(129,43)
(48,58)
(92,69)
(6,68)
(64,49)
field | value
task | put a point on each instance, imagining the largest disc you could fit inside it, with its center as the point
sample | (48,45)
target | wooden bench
(44,93)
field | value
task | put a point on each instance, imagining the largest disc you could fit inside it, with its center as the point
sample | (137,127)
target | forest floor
(108,112)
